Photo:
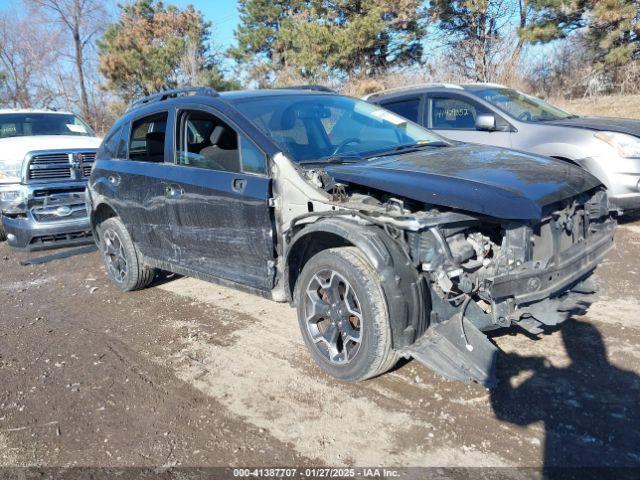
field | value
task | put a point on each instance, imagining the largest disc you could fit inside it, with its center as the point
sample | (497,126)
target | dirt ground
(188,373)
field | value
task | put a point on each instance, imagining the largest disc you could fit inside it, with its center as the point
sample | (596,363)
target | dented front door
(220,192)
(224,225)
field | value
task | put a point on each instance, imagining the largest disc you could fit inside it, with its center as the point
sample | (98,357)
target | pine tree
(611,28)
(153,47)
(258,45)
(319,39)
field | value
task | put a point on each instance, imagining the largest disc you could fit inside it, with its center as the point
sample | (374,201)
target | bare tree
(26,60)
(83,20)
(473,32)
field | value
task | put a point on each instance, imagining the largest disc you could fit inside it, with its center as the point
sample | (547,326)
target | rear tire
(343,315)
(121,257)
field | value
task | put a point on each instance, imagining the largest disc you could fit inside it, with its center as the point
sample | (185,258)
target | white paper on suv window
(389,117)
(76,128)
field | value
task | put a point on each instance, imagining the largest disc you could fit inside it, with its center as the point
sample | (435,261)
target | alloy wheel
(333,316)
(114,256)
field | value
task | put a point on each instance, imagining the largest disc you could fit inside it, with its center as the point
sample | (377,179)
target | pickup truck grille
(52,215)
(62,204)
(60,166)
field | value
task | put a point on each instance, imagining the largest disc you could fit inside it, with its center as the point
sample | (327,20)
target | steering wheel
(526,116)
(344,143)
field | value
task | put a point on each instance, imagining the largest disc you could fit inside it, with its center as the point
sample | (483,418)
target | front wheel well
(305,248)
(102,213)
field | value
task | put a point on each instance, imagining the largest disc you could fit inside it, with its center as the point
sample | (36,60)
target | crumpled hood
(15,148)
(621,125)
(491,181)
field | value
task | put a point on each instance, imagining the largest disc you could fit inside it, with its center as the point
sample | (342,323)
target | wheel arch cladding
(404,289)
(101,213)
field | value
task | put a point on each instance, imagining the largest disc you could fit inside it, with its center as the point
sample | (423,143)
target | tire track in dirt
(276,389)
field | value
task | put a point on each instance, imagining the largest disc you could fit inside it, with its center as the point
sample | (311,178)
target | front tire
(343,315)
(121,257)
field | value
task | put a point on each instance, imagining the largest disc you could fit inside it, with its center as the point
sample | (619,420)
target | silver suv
(491,114)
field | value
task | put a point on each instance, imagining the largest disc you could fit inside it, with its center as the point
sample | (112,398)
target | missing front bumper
(530,283)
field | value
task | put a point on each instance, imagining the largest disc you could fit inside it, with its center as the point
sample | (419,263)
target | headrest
(216,135)
(155,146)
(224,138)
(284,120)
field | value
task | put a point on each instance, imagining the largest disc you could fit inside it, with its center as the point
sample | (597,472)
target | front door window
(453,114)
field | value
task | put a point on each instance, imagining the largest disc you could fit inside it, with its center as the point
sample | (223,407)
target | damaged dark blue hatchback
(388,239)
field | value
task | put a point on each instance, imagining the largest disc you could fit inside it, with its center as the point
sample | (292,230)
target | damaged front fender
(404,288)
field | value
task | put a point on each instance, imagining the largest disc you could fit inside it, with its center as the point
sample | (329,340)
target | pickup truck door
(454,116)
(221,191)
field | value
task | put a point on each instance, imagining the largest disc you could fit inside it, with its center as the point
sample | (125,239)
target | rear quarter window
(109,146)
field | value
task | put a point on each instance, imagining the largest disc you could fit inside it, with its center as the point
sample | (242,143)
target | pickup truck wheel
(3,234)
(343,315)
(121,257)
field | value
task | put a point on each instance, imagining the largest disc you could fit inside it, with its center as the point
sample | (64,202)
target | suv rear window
(147,138)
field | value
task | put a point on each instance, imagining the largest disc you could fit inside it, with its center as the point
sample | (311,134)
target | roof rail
(409,88)
(178,92)
(316,88)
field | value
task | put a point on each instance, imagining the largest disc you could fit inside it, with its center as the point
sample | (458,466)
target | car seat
(223,152)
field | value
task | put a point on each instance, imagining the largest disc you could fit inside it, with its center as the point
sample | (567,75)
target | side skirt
(171,267)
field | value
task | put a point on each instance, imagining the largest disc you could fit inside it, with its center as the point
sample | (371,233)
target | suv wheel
(121,257)
(343,315)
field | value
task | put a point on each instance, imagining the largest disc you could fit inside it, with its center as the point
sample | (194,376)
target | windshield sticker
(8,129)
(76,128)
(389,117)
(451,113)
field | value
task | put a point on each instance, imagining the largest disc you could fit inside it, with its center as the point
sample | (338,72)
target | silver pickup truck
(45,161)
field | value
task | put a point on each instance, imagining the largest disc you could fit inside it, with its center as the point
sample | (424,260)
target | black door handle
(239,184)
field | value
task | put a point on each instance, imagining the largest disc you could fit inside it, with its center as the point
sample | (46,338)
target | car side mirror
(486,122)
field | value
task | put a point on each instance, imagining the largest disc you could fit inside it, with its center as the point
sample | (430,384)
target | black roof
(450,87)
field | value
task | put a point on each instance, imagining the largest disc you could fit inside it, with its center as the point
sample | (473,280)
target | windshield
(521,106)
(329,127)
(28,124)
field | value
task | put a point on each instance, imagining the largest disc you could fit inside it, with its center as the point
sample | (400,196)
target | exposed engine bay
(482,273)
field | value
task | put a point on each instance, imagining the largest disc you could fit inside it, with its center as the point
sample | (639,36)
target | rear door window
(408,108)
(148,138)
